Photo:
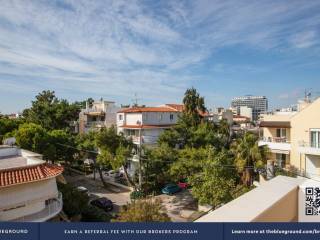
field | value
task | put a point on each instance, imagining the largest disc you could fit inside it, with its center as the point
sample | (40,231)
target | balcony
(307,148)
(95,124)
(52,209)
(144,139)
(276,144)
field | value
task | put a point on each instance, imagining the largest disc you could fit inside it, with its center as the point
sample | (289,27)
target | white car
(83,190)
(114,174)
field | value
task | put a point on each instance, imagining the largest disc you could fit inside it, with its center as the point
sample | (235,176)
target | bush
(73,201)
(94,214)
(137,195)
(148,210)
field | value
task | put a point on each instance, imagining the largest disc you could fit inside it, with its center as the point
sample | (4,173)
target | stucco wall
(301,124)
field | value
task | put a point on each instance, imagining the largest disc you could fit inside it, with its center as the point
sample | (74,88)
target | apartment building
(258,104)
(97,115)
(145,124)
(28,186)
(220,114)
(293,138)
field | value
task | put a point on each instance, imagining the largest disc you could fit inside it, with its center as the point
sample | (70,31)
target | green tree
(156,164)
(33,137)
(50,112)
(148,210)
(249,156)
(193,106)
(63,146)
(114,150)
(189,163)
(7,126)
(214,184)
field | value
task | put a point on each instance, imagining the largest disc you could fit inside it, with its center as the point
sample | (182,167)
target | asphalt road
(119,197)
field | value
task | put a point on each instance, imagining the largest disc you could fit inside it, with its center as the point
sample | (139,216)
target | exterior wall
(150,136)
(301,124)
(285,210)
(272,133)
(158,118)
(31,195)
(133,118)
(107,119)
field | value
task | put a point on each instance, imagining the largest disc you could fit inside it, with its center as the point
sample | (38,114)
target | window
(171,117)
(120,117)
(315,138)
(281,133)
(280,160)
(160,116)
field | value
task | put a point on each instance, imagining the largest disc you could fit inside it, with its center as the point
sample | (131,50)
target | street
(118,196)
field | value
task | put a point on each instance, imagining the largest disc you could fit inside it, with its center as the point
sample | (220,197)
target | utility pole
(139,156)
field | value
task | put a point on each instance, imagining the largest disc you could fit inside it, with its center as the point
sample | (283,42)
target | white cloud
(120,47)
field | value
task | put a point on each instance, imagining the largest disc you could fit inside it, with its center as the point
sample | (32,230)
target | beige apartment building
(293,138)
(97,115)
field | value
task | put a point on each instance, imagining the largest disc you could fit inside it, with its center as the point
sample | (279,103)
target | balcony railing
(275,139)
(307,148)
(95,124)
(144,139)
(53,207)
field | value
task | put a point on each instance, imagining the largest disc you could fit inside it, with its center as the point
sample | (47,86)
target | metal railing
(307,144)
(53,207)
(275,139)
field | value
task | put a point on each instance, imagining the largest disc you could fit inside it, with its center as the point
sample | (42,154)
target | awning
(275,124)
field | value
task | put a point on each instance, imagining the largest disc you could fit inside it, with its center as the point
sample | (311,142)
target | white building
(99,114)
(259,105)
(246,112)
(144,125)
(28,187)
(221,114)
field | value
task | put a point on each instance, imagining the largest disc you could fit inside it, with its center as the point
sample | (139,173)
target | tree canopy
(50,112)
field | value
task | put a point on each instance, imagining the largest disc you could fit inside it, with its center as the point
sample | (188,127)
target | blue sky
(157,49)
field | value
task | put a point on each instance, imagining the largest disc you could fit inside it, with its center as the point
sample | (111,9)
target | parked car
(114,174)
(103,203)
(83,190)
(183,183)
(171,189)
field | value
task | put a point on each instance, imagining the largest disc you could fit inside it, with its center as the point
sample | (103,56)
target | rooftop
(147,109)
(9,177)
(275,200)
(19,166)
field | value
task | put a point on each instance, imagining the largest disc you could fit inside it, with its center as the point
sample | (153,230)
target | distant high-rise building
(258,104)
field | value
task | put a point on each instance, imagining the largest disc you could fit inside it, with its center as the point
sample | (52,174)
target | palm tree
(249,156)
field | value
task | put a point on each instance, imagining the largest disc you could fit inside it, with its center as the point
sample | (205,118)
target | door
(313,166)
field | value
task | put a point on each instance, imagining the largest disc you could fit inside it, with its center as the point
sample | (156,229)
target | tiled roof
(178,107)
(146,126)
(28,174)
(147,109)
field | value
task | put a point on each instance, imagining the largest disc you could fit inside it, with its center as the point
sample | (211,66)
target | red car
(183,183)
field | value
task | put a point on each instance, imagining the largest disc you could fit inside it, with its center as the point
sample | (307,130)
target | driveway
(118,196)
(179,206)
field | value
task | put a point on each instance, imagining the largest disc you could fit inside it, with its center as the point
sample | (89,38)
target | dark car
(171,189)
(103,203)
